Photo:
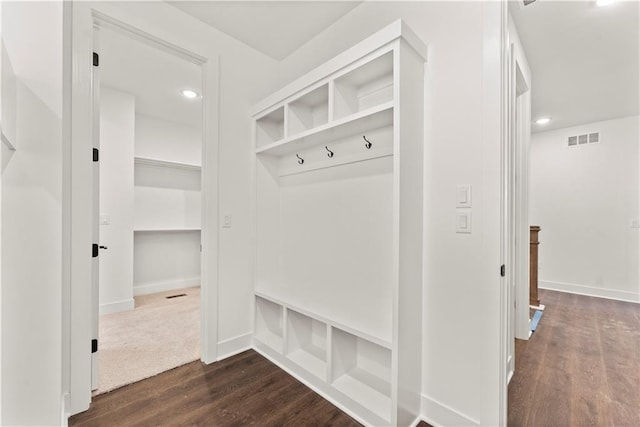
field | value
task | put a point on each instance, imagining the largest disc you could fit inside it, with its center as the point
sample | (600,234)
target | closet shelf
(166,164)
(164,230)
(355,124)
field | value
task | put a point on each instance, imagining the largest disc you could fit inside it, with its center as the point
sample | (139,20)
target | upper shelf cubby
(338,105)
(309,111)
(270,127)
(364,87)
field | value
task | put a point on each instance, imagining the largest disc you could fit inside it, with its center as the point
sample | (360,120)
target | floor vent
(176,296)
(585,138)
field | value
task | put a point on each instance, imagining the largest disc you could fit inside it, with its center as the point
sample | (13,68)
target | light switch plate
(463,196)
(227,220)
(463,221)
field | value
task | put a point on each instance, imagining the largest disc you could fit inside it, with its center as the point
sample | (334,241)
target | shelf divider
(166,164)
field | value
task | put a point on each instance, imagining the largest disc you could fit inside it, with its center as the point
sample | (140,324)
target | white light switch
(105,219)
(463,196)
(226,221)
(463,221)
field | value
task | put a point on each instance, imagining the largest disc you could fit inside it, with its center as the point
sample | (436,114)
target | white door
(511,185)
(95,216)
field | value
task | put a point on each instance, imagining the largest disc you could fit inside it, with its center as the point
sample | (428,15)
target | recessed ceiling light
(543,120)
(602,3)
(187,93)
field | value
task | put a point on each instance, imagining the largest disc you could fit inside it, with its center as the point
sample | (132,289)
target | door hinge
(94,250)
(94,345)
(96,59)
(502,270)
(96,154)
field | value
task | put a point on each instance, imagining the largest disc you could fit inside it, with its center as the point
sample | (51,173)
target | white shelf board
(372,118)
(368,323)
(370,397)
(308,359)
(164,230)
(166,164)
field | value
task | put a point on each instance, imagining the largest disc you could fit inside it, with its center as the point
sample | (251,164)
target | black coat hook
(368,143)
(300,160)
(329,152)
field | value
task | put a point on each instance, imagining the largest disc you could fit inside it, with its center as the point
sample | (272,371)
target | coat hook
(329,152)
(368,144)
(300,160)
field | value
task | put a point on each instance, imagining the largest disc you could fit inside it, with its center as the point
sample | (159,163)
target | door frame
(515,127)
(520,135)
(78,188)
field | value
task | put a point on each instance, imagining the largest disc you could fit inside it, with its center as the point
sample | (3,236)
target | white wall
(164,140)
(32,220)
(584,199)
(165,261)
(166,198)
(117,115)
(461,298)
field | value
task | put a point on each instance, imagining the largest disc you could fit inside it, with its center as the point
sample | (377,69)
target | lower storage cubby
(361,370)
(269,329)
(307,343)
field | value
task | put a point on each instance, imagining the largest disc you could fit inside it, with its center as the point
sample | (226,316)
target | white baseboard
(152,288)
(573,288)
(116,307)
(439,414)
(233,346)
(64,408)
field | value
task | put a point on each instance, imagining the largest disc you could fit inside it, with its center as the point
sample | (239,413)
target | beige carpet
(158,335)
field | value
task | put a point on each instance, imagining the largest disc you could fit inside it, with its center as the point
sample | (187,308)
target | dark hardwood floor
(581,367)
(243,390)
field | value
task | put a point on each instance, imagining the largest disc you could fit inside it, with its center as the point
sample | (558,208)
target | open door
(95,214)
(515,207)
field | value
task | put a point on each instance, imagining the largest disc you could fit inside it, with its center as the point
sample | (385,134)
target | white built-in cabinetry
(339,199)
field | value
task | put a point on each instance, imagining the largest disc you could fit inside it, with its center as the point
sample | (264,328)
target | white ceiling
(153,76)
(584,60)
(276,28)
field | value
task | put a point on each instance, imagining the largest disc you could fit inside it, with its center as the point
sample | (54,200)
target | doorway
(78,327)
(149,110)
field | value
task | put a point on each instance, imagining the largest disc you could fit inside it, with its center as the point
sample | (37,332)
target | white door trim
(78,185)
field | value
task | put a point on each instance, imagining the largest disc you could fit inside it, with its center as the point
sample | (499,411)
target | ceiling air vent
(586,138)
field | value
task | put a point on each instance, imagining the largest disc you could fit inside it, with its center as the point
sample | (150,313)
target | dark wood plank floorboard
(581,367)
(245,389)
